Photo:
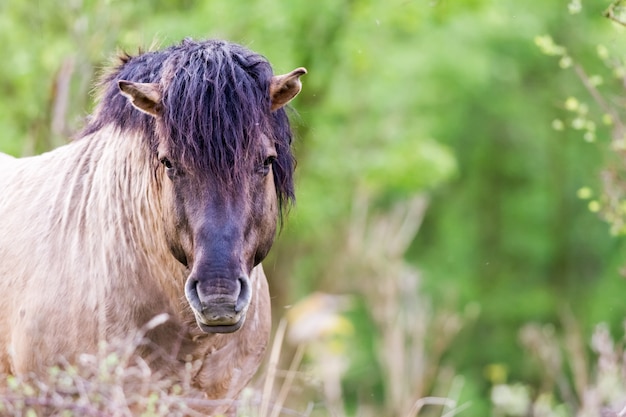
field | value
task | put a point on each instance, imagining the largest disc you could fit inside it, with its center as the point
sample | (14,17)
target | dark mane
(216,106)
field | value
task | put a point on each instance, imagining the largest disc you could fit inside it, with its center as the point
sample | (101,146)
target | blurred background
(457,242)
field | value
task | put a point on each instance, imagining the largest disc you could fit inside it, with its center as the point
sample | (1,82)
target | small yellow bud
(557,124)
(584,193)
(589,137)
(565,62)
(603,51)
(571,103)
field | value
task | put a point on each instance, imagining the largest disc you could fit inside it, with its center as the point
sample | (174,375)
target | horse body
(101,235)
(86,215)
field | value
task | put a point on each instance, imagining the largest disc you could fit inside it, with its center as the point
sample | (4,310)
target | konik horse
(166,202)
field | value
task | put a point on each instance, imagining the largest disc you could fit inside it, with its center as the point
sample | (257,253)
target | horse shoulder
(6,158)
(7,164)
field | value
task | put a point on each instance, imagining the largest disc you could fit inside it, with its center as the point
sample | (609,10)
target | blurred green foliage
(452,99)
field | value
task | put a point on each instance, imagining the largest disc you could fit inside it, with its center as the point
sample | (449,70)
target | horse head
(223,161)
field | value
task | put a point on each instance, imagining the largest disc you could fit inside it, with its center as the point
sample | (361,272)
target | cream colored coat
(82,260)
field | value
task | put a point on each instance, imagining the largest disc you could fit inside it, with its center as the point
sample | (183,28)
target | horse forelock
(216,106)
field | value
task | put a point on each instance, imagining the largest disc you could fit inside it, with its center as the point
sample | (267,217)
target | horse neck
(115,191)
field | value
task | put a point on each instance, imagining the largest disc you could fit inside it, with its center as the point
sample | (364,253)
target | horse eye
(166,163)
(267,163)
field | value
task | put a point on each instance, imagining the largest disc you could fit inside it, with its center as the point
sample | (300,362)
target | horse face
(219,231)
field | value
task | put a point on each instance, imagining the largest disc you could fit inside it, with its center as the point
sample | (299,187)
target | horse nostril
(244,294)
(191,292)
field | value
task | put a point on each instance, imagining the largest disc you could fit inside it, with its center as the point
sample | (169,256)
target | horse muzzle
(219,305)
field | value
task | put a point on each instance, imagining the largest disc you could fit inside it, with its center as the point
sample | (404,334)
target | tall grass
(112,382)
(410,336)
(572,381)
(310,355)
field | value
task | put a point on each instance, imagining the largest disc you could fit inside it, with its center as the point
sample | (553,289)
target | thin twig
(599,99)
(419,404)
(609,13)
(457,410)
(284,390)
(271,367)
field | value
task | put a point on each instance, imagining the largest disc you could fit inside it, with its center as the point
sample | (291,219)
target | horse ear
(285,87)
(145,97)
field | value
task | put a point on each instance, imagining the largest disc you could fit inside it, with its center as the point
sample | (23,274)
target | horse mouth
(220,327)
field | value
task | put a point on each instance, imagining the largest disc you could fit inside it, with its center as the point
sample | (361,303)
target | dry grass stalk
(116,383)
(596,390)
(403,317)
(113,382)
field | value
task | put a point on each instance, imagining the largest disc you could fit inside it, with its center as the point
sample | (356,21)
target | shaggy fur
(86,230)
(213,108)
